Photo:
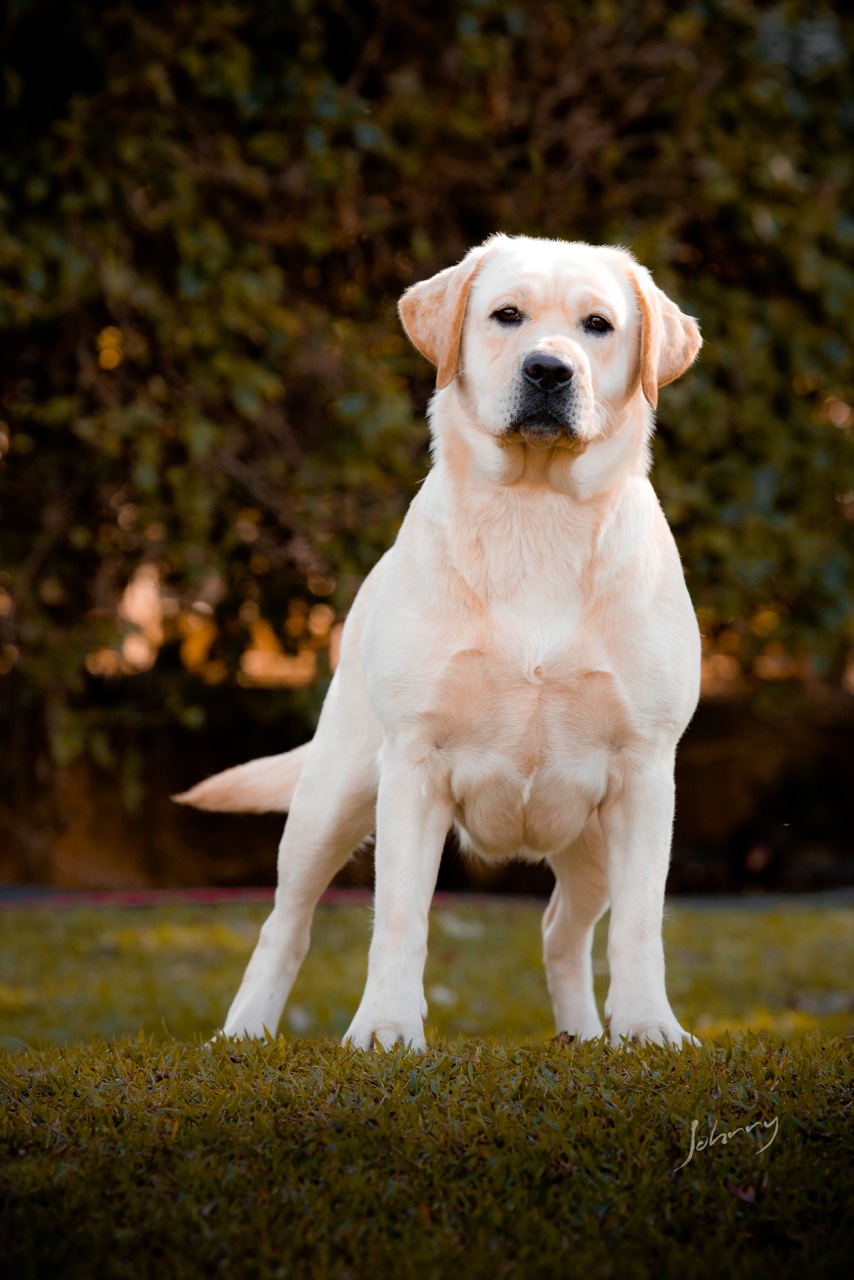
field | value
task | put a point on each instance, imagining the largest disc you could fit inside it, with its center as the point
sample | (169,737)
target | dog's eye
(508,315)
(598,324)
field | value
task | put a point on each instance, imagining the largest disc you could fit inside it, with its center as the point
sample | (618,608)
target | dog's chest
(531,727)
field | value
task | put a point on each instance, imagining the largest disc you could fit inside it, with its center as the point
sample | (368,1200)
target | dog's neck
(506,507)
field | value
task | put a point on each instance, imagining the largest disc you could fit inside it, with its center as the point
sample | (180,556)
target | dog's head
(549,341)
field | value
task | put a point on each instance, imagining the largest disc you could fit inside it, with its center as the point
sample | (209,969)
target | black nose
(547,373)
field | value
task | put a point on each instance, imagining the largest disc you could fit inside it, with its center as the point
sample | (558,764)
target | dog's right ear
(432,314)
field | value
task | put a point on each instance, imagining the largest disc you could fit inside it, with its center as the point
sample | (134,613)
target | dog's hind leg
(579,899)
(333,810)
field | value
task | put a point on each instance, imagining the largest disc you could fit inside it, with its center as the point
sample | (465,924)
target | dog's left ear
(432,314)
(670,340)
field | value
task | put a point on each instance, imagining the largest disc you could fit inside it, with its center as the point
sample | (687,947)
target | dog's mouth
(545,420)
(542,431)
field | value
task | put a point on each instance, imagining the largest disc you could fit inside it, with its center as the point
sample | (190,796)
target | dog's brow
(592,301)
(517,279)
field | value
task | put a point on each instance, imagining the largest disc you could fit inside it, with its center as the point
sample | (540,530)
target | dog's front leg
(580,898)
(637,825)
(414,813)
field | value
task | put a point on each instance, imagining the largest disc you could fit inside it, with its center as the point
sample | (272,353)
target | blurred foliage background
(212,423)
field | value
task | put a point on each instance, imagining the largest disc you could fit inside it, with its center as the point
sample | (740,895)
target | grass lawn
(130,1148)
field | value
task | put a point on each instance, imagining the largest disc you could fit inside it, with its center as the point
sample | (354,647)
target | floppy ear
(432,314)
(670,340)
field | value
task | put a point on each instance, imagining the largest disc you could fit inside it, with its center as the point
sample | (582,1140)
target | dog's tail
(261,786)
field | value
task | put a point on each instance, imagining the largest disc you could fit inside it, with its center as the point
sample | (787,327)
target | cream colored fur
(520,665)
(261,786)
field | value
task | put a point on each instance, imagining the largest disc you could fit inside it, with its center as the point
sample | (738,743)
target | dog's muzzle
(546,408)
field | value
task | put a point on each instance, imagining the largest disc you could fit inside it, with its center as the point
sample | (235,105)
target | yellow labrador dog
(520,665)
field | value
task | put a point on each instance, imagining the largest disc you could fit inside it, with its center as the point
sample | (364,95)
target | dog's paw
(662,1031)
(366,1030)
(242,1029)
(576,1029)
